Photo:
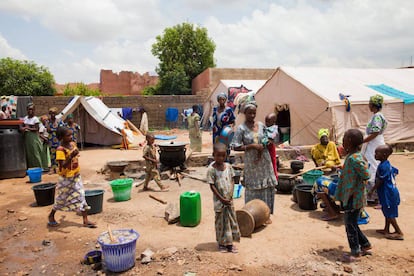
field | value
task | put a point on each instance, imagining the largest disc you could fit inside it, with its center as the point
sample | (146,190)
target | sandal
(394,237)
(53,224)
(348,258)
(90,225)
(232,249)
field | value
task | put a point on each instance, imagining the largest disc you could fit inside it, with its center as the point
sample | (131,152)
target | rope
(326,109)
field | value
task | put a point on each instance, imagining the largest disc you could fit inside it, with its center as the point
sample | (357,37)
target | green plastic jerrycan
(190,208)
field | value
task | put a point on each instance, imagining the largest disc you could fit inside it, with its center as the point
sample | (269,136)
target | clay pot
(253,215)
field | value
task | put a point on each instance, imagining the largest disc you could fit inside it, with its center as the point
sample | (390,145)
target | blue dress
(388,194)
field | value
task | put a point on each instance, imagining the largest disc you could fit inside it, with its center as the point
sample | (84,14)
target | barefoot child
(71,196)
(351,191)
(150,156)
(388,194)
(220,177)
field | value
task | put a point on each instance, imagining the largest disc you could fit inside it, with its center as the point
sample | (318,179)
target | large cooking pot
(285,183)
(172,154)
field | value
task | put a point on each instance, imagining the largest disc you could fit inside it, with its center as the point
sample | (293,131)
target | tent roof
(253,85)
(327,83)
(97,109)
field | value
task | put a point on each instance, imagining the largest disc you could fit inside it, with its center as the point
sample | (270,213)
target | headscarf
(70,116)
(53,109)
(323,132)
(30,105)
(44,117)
(249,104)
(377,100)
(222,95)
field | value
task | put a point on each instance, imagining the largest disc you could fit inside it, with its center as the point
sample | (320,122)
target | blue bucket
(119,256)
(35,174)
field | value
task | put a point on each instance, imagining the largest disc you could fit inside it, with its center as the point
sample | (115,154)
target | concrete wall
(124,83)
(154,105)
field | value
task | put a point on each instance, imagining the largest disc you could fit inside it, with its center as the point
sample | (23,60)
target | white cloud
(6,50)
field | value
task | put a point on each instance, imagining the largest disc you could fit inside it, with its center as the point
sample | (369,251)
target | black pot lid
(172,144)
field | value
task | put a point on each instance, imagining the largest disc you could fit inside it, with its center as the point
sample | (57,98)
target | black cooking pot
(285,183)
(296,166)
(172,154)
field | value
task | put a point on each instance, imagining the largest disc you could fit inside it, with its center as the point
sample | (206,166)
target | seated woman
(325,153)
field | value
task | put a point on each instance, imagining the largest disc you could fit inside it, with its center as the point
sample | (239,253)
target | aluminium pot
(172,154)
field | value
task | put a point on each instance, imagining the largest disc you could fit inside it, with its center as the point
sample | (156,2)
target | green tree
(80,89)
(184,52)
(25,78)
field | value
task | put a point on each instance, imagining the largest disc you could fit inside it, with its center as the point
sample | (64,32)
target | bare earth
(297,243)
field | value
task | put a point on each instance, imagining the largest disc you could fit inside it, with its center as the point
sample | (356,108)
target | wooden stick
(194,177)
(305,171)
(178,178)
(111,237)
(158,199)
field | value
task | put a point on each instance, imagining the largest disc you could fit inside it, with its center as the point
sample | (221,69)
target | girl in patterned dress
(220,177)
(70,192)
(54,124)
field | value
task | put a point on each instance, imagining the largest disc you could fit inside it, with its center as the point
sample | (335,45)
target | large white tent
(223,87)
(312,97)
(99,124)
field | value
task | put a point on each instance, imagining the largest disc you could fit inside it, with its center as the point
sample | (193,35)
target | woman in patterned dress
(259,177)
(222,116)
(375,129)
(54,124)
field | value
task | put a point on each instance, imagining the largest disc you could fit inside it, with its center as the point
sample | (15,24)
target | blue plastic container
(35,174)
(119,256)
(238,188)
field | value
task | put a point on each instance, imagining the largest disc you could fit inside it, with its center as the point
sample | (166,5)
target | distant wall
(125,83)
(155,105)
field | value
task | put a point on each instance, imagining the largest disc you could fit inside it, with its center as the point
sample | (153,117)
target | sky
(76,39)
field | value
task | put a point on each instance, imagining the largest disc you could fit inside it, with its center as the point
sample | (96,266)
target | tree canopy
(184,52)
(25,78)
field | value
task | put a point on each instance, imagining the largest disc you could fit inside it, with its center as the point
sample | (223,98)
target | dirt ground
(297,243)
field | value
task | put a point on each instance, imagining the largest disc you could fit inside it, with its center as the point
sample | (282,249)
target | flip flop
(222,249)
(90,225)
(53,224)
(233,250)
(394,237)
(347,258)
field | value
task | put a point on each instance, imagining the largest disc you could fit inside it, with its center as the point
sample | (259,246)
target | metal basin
(117,166)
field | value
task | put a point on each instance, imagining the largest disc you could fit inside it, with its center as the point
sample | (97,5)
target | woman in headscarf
(32,143)
(374,130)
(259,178)
(325,152)
(70,124)
(194,130)
(54,124)
(222,116)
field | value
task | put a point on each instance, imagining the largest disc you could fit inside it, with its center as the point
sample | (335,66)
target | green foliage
(184,52)
(150,90)
(80,89)
(25,78)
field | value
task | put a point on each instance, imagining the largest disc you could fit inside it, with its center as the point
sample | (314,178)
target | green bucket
(311,176)
(122,188)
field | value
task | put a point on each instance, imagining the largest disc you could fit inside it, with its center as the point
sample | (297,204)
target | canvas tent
(99,125)
(312,98)
(237,86)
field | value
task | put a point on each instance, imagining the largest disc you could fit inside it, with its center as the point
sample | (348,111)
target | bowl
(93,257)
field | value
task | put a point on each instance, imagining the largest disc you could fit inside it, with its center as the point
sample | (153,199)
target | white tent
(312,96)
(223,86)
(99,125)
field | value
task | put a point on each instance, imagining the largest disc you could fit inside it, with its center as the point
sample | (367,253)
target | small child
(150,156)
(273,138)
(71,195)
(388,194)
(351,192)
(70,123)
(220,177)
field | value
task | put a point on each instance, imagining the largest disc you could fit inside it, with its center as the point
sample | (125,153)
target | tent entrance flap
(283,121)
